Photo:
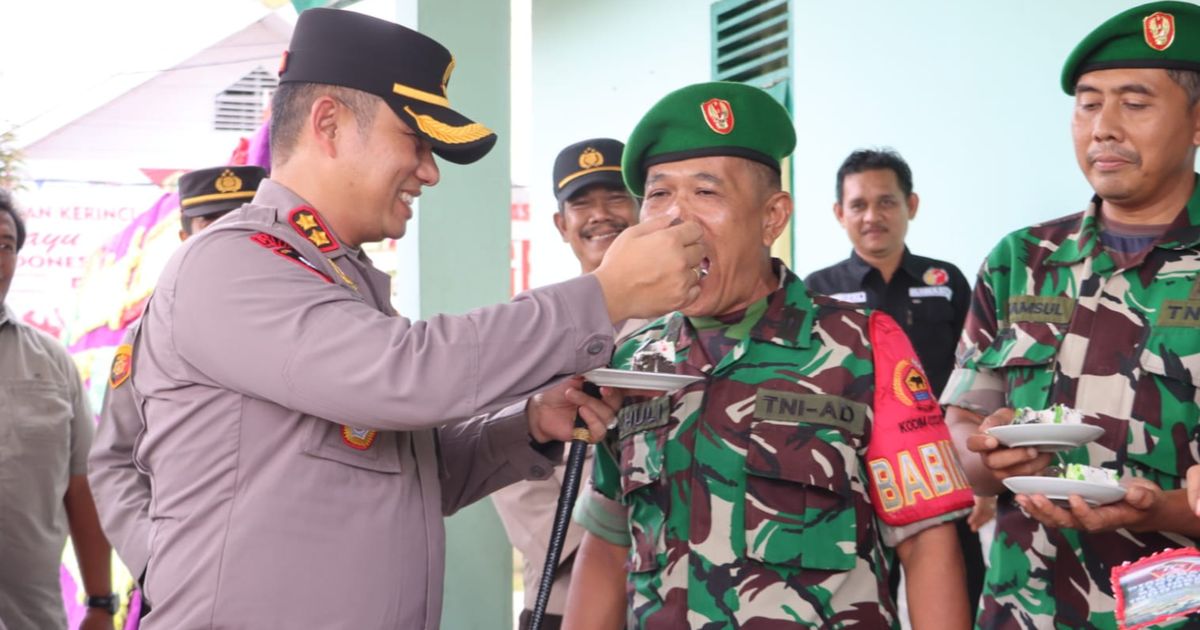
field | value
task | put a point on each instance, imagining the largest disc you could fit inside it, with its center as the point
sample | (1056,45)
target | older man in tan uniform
(299,435)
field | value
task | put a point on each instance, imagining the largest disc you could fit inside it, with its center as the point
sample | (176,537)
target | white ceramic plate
(1059,489)
(629,379)
(1048,438)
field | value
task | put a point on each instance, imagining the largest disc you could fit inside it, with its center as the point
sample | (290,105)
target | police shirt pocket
(799,504)
(369,450)
(41,411)
(641,471)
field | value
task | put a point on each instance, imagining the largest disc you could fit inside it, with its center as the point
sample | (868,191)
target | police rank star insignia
(309,224)
(358,439)
(122,366)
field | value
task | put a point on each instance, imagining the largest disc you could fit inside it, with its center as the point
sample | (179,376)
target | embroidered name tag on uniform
(643,416)
(924,292)
(856,297)
(1039,308)
(834,411)
(1179,313)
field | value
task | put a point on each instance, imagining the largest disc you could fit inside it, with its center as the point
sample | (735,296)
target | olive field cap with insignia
(704,120)
(1155,35)
(218,190)
(595,161)
(408,70)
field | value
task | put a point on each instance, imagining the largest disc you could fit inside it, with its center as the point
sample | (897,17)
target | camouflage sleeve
(972,386)
(914,472)
(602,516)
(599,510)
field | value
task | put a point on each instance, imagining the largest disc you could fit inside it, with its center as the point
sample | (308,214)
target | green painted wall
(464,263)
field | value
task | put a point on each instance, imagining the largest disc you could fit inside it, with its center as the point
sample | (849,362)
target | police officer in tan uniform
(122,491)
(303,440)
(594,207)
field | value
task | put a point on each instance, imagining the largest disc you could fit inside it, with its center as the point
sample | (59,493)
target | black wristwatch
(107,603)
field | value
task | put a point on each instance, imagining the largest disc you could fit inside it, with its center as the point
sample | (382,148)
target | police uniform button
(538,472)
(595,347)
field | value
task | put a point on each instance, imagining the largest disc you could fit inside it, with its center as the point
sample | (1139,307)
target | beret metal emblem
(718,114)
(1159,30)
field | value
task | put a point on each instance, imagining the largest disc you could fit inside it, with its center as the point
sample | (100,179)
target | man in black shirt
(930,298)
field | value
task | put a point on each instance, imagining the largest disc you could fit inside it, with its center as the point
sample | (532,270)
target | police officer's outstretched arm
(243,318)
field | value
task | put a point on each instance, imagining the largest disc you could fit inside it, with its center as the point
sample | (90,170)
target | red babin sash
(914,470)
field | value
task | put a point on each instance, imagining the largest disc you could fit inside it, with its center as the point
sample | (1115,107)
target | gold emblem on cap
(228,182)
(718,113)
(1159,30)
(590,158)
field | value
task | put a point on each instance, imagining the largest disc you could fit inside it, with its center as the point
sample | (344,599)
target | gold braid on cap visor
(449,134)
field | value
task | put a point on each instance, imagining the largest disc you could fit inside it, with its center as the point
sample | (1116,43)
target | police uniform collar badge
(408,70)
(311,226)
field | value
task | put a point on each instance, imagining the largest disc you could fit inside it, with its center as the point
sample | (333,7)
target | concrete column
(464,263)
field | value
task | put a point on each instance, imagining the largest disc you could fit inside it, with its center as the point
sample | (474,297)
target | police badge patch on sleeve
(122,366)
(1157,588)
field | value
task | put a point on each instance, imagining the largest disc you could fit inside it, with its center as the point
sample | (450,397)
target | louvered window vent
(752,42)
(241,106)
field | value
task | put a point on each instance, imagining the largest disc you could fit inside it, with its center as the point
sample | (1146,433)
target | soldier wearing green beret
(775,490)
(1099,311)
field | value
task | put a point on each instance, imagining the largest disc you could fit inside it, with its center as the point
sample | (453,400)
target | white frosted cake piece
(1081,472)
(1056,414)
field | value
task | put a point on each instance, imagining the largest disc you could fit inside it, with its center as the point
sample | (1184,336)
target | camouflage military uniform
(1054,320)
(747,495)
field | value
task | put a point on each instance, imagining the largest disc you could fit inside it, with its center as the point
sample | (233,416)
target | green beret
(1156,35)
(704,120)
